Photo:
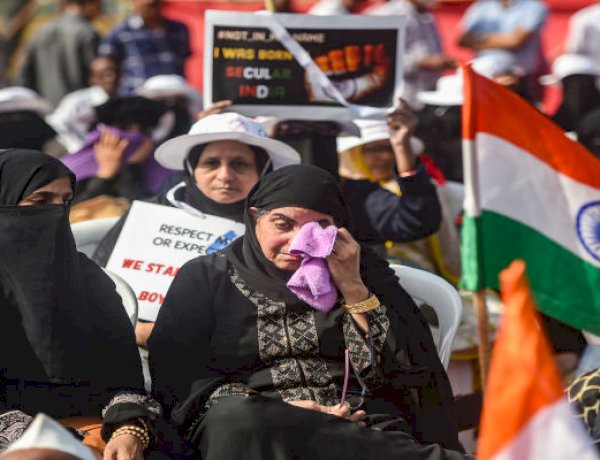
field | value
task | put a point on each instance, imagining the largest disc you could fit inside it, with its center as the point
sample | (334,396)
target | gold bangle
(140,433)
(370,303)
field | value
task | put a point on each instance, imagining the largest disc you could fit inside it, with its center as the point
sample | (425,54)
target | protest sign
(247,63)
(156,241)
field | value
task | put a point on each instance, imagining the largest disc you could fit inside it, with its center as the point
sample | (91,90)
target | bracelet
(370,303)
(140,433)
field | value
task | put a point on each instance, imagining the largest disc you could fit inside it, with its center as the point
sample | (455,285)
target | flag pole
(472,206)
(483,335)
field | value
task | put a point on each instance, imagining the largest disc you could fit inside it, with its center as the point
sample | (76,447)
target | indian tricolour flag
(525,412)
(530,193)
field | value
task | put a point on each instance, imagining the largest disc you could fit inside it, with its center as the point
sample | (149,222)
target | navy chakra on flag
(588,228)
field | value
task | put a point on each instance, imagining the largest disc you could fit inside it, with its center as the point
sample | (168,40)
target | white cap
(448,91)
(16,98)
(373,131)
(570,64)
(46,433)
(228,126)
(161,86)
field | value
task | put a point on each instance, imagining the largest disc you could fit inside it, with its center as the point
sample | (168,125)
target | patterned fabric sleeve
(128,406)
(584,398)
(226,390)
(12,425)
(360,347)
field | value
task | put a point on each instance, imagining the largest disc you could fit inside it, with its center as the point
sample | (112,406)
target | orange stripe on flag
(493,109)
(523,378)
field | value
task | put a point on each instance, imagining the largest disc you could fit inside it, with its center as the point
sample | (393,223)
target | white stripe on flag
(552,433)
(518,185)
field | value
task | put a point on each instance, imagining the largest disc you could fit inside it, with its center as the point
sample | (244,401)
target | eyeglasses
(304,127)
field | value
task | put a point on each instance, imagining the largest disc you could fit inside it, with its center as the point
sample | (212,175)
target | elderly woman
(222,158)
(268,375)
(66,344)
(390,195)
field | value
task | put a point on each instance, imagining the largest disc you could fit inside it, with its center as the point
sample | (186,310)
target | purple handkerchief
(312,282)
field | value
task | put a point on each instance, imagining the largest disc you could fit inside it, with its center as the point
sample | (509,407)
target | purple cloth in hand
(83,162)
(312,281)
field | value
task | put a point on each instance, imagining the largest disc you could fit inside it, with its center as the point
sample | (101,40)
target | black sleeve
(414,215)
(107,245)
(179,346)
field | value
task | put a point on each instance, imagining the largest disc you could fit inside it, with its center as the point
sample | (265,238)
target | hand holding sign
(366,68)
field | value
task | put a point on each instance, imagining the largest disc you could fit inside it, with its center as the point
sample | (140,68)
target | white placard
(156,241)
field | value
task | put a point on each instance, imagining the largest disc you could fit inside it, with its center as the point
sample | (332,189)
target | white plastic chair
(89,233)
(127,294)
(430,289)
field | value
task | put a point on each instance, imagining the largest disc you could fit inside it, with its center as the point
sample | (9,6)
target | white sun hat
(228,126)
(373,131)
(570,64)
(17,98)
(161,86)
(448,91)
(46,433)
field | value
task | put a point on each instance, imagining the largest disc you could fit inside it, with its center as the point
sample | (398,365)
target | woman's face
(379,159)
(59,191)
(226,171)
(275,230)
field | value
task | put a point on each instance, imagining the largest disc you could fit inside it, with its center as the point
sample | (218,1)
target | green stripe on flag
(565,286)
(472,278)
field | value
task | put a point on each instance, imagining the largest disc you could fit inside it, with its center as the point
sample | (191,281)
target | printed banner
(245,62)
(156,241)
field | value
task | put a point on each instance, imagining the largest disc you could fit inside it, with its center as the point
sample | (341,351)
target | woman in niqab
(67,347)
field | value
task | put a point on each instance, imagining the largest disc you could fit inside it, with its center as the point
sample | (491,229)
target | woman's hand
(402,123)
(339,410)
(124,447)
(344,267)
(142,152)
(108,151)
(215,108)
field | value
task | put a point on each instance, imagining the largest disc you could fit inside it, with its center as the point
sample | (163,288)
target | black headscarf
(301,186)
(123,112)
(22,171)
(24,129)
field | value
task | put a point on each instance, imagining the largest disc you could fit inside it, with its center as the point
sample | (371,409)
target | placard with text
(244,62)
(156,241)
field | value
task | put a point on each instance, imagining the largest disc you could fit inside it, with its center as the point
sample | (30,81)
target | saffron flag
(525,412)
(530,193)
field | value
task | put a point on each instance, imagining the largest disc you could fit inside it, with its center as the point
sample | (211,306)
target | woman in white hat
(222,158)
(389,193)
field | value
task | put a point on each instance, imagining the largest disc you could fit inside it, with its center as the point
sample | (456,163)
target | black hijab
(22,171)
(301,186)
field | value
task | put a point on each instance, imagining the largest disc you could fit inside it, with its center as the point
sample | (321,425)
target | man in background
(58,57)
(146,44)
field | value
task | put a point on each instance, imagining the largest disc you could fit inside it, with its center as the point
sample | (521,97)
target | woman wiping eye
(298,341)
